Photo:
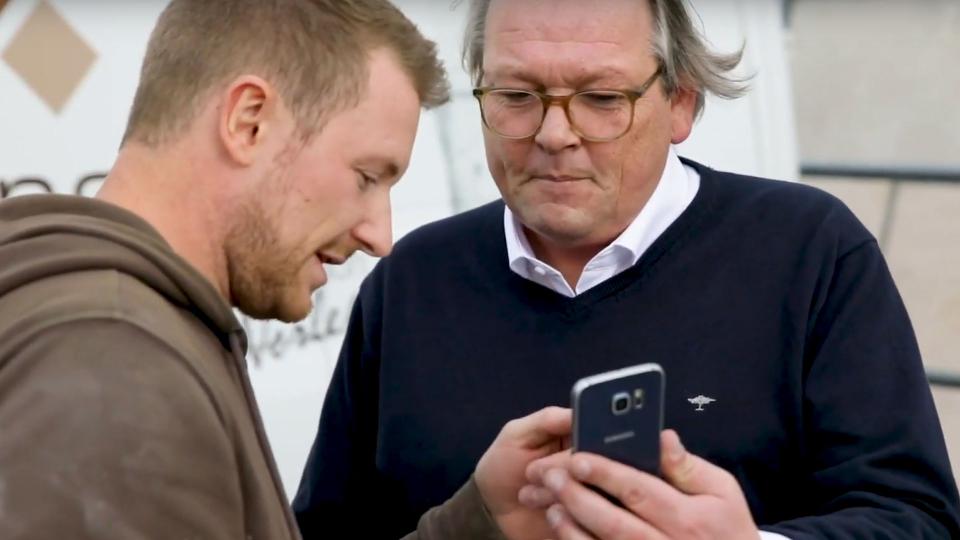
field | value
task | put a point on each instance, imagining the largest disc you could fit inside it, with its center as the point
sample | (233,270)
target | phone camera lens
(620,403)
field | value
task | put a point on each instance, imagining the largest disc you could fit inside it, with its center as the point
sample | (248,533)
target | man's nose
(375,232)
(556,131)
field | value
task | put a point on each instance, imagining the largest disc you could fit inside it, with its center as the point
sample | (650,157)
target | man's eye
(366,181)
(603,99)
(515,99)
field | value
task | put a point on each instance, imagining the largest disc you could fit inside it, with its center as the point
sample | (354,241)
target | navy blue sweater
(769,297)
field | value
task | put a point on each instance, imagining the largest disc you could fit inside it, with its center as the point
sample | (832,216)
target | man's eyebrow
(392,169)
(384,166)
(520,74)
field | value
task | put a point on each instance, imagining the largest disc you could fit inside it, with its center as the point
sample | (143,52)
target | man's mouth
(329,258)
(559,178)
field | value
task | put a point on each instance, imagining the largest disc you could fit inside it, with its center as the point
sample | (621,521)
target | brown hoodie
(125,407)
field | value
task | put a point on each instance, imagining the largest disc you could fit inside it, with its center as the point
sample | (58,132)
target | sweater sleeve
(878,465)
(106,434)
(462,516)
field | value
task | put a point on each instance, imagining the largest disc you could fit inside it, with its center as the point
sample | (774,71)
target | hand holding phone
(619,415)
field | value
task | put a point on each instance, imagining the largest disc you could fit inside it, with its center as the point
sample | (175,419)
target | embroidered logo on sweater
(700,401)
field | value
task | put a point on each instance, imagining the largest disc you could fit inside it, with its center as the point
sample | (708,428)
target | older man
(608,250)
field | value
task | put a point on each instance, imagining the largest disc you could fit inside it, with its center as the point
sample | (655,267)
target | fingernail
(581,469)
(555,479)
(554,516)
(540,497)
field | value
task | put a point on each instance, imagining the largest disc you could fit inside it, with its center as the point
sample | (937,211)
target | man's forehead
(576,74)
(530,43)
(529,29)
(578,20)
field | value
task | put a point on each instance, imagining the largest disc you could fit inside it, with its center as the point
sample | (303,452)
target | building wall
(876,83)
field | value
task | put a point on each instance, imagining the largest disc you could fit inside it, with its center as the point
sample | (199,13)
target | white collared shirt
(676,189)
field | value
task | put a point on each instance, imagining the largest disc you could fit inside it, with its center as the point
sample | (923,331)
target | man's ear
(682,106)
(248,113)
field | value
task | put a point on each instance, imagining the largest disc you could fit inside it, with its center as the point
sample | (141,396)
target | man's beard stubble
(261,272)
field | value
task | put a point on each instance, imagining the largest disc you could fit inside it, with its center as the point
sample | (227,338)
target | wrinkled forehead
(548,38)
(555,20)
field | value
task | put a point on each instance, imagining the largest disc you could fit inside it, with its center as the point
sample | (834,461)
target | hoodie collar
(45,235)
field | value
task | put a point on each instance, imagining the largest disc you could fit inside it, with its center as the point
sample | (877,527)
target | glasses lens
(601,114)
(512,113)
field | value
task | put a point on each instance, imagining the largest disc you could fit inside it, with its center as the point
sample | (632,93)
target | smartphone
(619,415)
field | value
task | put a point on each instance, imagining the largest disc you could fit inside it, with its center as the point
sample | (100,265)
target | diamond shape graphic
(49,55)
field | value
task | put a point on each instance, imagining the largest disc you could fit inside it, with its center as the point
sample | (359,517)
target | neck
(167,189)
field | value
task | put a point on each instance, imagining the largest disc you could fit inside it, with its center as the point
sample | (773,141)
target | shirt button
(539,270)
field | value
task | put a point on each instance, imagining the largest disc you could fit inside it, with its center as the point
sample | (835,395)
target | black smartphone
(619,415)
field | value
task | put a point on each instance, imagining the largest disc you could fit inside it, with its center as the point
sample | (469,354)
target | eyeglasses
(594,115)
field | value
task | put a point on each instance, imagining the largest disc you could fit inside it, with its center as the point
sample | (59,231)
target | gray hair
(680,47)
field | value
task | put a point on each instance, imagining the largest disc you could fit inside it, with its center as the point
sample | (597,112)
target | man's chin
(283,311)
(293,312)
(560,225)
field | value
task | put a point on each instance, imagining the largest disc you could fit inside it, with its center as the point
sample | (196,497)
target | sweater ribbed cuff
(462,516)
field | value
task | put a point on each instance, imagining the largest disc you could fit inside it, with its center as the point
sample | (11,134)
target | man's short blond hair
(315,52)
